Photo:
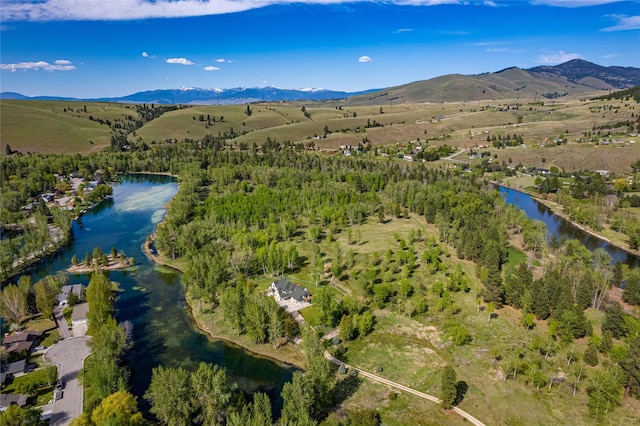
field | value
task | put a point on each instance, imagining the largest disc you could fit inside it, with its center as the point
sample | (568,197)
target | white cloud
(127,10)
(497,49)
(403,30)
(572,3)
(364,59)
(180,61)
(145,55)
(58,65)
(557,58)
(210,68)
(224,61)
(624,23)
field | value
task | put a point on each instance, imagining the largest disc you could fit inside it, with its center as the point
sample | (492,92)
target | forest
(456,258)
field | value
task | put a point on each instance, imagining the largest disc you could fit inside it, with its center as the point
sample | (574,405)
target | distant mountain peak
(576,76)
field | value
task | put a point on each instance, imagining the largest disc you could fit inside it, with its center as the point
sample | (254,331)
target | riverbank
(558,210)
(210,322)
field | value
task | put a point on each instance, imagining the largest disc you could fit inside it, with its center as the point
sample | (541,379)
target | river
(153,296)
(562,228)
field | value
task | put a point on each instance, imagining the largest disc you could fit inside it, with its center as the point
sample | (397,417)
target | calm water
(152,296)
(562,228)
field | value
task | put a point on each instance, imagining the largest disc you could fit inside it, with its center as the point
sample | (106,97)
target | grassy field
(54,127)
(413,351)
(57,127)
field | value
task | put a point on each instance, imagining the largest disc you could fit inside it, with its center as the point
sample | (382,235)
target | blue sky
(101,48)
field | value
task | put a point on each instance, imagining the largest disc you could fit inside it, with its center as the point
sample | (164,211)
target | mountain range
(574,77)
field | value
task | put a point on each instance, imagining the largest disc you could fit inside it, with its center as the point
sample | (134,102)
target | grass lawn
(40,325)
(38,385)
(51,338)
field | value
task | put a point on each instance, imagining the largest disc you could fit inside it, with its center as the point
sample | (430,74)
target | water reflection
(151,297)
(561,228)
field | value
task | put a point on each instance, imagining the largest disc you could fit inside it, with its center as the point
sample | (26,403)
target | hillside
(52,127)
(576,77)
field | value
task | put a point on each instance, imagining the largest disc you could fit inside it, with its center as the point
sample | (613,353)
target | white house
(283,289)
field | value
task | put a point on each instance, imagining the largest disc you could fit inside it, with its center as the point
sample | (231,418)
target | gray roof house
(7,399)
(61,299)
(283,289)
(12,369)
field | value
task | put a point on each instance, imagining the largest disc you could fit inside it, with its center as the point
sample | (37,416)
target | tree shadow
(461,390)
(346,387)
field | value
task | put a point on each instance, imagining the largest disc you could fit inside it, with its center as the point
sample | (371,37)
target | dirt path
(387,382)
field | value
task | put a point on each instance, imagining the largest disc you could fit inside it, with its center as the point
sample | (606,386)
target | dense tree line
(206,395)
(239,213)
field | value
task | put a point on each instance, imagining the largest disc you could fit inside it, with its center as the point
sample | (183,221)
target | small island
(100,260)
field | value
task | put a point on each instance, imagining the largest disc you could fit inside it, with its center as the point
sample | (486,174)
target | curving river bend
(153,297)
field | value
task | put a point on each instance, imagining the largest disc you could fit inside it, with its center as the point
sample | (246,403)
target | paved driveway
(68,355)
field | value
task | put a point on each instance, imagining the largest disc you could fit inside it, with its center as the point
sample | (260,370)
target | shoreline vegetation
(557,209)
(59,239)
(120,262)
(210,322)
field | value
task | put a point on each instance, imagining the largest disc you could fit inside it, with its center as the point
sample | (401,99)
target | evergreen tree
(585,290)
(631,368)
(606,343)
(448,390)
(591,355)
(618,274)
(614,321)
(631,293)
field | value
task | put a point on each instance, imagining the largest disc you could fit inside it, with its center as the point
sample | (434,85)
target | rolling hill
(576,77)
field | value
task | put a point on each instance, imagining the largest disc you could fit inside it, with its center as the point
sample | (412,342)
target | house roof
(21,336)
(19,346)
(8,399)
(20,341)
(287,289)
(15,367)
(68,289)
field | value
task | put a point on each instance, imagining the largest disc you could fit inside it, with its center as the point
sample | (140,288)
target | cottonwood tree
(13,304)
(119,408)
(104,374)
(604,391)
(210,393)
(100,300)
(257,413)
(168,395)
(45,297)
